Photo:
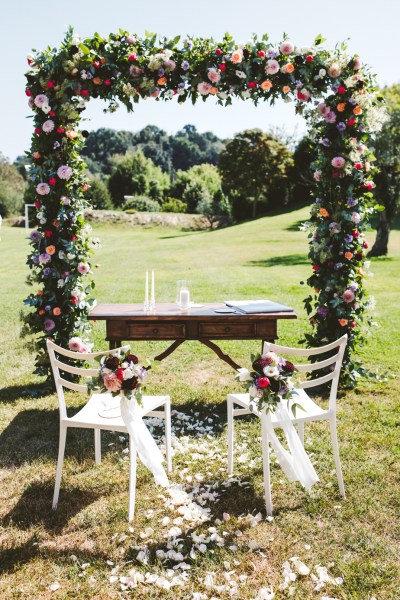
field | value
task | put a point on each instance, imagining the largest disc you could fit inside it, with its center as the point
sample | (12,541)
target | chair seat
(309,410)
(102,411)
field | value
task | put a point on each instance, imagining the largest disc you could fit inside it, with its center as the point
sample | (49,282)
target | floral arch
(335,92)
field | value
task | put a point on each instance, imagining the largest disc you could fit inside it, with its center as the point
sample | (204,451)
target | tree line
(252,174)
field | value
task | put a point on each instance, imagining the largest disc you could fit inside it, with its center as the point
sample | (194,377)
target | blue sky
(371,26)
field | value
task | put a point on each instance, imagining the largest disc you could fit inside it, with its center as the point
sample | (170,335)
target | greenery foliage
(11,189)
(98,194)
(141,204)
(127,68)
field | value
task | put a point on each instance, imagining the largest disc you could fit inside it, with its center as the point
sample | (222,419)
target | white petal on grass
(54,586)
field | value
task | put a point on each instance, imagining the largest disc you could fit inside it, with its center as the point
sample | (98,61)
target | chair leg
(231,434)
(167,424)
(300,431)
(97,446)
(335,446)
(266,465)
(60,460)
(132,479)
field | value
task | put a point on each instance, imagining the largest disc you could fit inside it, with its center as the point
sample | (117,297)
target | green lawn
(356,539)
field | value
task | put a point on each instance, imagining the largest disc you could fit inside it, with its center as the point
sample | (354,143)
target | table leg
(115,344)
(220,354)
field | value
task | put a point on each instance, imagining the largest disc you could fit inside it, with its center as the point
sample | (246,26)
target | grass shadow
(15,392)
(33,507)
(280,261)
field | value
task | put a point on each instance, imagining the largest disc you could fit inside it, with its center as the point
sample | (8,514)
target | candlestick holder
(183,294)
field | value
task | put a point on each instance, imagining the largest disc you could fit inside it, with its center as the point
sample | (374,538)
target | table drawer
(227,330)
(156,331)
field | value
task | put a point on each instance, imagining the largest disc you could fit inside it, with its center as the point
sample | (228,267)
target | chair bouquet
(121,374)
(272,379)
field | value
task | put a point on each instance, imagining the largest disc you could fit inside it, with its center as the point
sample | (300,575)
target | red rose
(218,52)
(132,56)
(52,181)
(37,130)
(359,255)
(50,84)
(60,130)
(351,122)
(261,53)
(84,92)
(222,67)
(96,64)
(74,300)
(85,187)
(289,366)
(52,113)
(262,382)
(309,58)
(356,233)
(107,82)
(28,92)
(119,373)
(252,84)
(358,166)
(37,204)
(341,89)
(73,238)
(48,233)
(366,245)
(315,268)
(352,324)
(132,358)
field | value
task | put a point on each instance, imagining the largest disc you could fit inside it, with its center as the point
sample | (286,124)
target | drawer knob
(227,329)
(155,330)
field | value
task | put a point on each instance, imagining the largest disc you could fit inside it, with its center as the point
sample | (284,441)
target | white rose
(271,371)
(128,374)
(253,391)
(244,375)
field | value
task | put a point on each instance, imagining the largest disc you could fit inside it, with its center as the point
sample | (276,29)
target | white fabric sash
(295,463)
(147,449)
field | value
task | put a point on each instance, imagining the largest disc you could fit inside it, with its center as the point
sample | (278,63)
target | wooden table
(202,323)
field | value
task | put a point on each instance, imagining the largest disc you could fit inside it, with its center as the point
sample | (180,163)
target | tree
(191,147)
(302,174)
(99,196)
(102,144)
(251,165)
(191,186)
(135,175)
(11,188)
(387,181)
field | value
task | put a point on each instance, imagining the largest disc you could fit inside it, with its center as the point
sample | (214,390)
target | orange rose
(341,106)
(39,293)
(56,311)
(237,56)
(342,322)
(162,81)
(266,85)
(103,60)
(214,91)
(41,312)
(357,110)
(288,68)
(96,80)
(348,255)
(323,212)
(51,250)
(36,155)
(286,89)
(55,223)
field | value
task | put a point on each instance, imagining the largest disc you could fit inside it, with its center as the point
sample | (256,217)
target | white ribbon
(147,449)
(295,464)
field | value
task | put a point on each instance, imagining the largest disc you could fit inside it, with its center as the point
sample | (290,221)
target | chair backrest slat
(58,365)
(334,361)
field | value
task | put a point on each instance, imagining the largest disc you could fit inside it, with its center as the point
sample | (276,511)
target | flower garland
(336,93)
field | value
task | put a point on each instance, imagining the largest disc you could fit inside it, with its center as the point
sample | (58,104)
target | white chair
(311,411)
(90,416)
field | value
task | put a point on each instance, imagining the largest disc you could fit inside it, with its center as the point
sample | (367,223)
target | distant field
(264,258)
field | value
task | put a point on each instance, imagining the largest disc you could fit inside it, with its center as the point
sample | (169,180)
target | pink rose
(130,39)
(323,109)
(348,296)
(355,217)
(83,268)
(213,75)
(204,88)
(334,70)
(272,67)
(135,71)
(111,382)
(357,63)
(330,116)
(170,64)
(286,48)
(237,56)
(317,174)
(43,189)
(75,344)
(155,93)
(338,162)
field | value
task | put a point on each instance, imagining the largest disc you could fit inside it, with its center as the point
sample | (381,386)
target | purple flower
(181,85)
(352,101)
(271,53)
(334,227)
(338,266)
(351,201)
(46,271)
(322,311)
(317,200)
(325,142)
(348,238)
(44,258)
(161,72)
(353,286)
(35,236)
(35,259)
(49,324)
(341,126)
(48,307)
(299,83)
(188,44)
(185,65)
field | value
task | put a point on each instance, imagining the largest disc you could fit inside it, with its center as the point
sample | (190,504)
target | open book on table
(257,306)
